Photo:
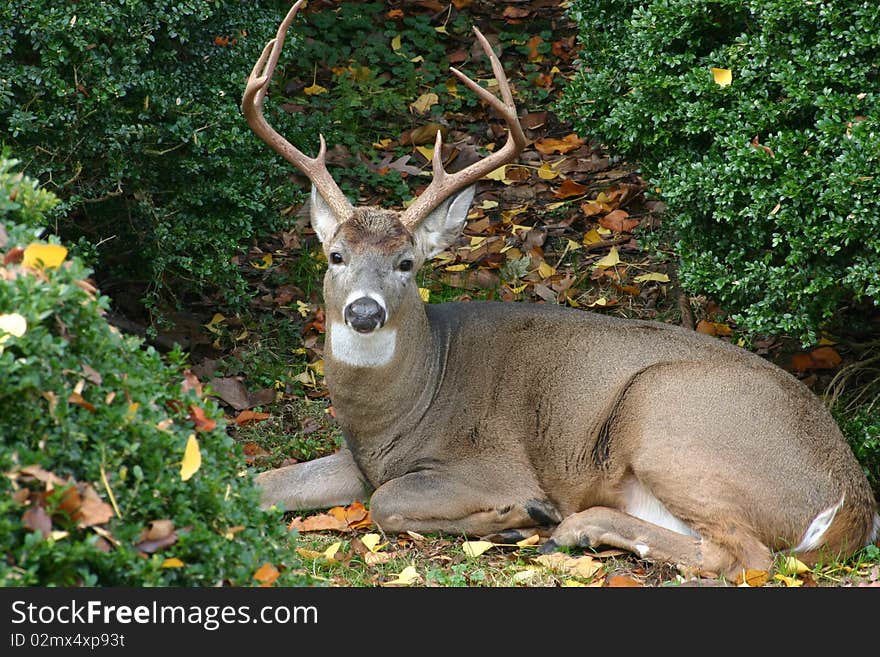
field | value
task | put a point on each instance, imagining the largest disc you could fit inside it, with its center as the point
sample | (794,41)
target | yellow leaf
(605,232)
(303,308)
(652,276)
(610,260)
(172,562)
(265,263)
(722,76)
(330,553)
(45,256)
(458,267)
(315,90)
(794,565)
(317,367)
(531,540)
(13,324)
(406,577)
(381,144)
(547,172)
(519,288)
(601,302)
(426,151)
(789,581)
(192,458)
(498,174)
(424,294)
(417,59)
(441,29)
(311,555)
(424,102)
(592,237)
(396,43)
(57,535)
(572,582)
(752,578)
(488,205)
(545,270)
(212,325)
(524,575)
(372,542)
(475,548)
(571,245)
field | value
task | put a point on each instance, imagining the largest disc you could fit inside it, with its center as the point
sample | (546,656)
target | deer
(511,419)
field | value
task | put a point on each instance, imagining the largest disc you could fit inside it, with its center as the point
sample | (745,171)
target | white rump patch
(642,549)
(876,533)
(374,349)
(638,501)
(816,531)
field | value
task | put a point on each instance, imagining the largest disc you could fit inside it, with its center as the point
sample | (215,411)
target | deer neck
(379,380)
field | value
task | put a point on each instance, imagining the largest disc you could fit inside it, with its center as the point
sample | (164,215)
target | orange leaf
(825,358)
(622,581)
(76,398)
(618,221)
(203,423)
(713,328)
(266,574)
(249,417)
(569,188)
(564,145)
(801,362)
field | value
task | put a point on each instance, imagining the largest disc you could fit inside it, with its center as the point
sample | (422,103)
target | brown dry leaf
(713,328)
(584,566)
(618,221)
(160,534)
(232,391)
(35,518)
(191,382)
(40,474)
(267,574)
(79,400)
(202,422)
(249,417)
(620,581)
(92,510)
(92,374)
(515,12)
(801,362)
(376,558)
(532,45)
(569,188)
(567,144)
(318,523)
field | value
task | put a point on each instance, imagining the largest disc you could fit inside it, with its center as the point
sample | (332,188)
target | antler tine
(252,108)
(445,184)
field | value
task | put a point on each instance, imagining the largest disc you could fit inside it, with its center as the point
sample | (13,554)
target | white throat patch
(359,349)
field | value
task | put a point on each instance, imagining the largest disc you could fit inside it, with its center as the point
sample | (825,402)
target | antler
(445,184)
(252,107)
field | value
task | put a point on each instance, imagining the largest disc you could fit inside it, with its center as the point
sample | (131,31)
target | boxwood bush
(772,181)
(129,112)
(109,419)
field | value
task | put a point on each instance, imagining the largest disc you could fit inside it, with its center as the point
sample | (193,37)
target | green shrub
(99,410)
(771,182)
(129,112)
(862,430)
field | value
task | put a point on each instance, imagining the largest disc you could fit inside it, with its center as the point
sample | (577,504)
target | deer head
(373,253)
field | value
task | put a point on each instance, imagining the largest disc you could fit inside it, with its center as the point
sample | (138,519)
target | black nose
(364,315)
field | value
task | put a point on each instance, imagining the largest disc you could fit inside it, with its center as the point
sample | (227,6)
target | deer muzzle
(364,315)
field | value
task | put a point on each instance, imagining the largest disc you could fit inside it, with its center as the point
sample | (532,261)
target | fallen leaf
(158,535)
(330,553)
(794,565)
(618,221)
(752,578)
(92,509)
(406,577)
(474,549)
(713,328)
(314,90)
(527,542)
(424,102)
(424,294)
(13,324)
(567,144)
(610,260)
(825,358)
(569,188)
(172,562)
(789,581)
(372,541)
(249,417)
(266,574)
(79,400)
(36,519)
(40,474)
(621,581)
(584,566)
(203,423)
(232,391)
(376,558)
(192,458)
(44,256)
(722,76)
(652,276)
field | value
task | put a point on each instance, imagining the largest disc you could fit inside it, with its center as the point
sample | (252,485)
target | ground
(566,224)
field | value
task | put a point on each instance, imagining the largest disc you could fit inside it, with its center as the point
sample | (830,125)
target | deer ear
(444,224)
(324,222)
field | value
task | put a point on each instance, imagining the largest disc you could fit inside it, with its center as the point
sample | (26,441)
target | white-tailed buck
(510,418)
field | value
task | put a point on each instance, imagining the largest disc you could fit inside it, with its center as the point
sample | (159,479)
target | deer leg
(606,526)
(424,502)
(328,481)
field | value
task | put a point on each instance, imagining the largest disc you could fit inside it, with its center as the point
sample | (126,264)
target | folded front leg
(432,502)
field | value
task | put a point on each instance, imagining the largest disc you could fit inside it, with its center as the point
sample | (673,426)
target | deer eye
(335,258)
(405,265)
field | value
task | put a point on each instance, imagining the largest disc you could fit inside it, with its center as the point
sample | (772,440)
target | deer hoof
(543,512)
(549,546)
